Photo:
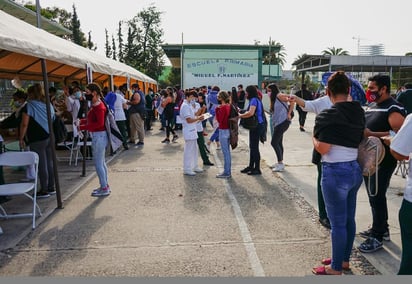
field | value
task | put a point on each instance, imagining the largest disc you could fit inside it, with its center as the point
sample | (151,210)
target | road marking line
(244,231)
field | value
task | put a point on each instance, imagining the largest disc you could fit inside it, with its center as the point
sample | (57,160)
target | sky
(300,26)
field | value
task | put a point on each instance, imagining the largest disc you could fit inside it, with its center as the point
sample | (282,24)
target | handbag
(370,154)
(250,122)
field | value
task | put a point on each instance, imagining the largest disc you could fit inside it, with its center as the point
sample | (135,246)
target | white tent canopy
(23,45)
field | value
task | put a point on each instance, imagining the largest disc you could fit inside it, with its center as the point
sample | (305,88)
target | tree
(114,55)
(78,35)
(334,51)
(107,47)
(90,44)
(120,40)
(277,54)
(144,40)
(68,20)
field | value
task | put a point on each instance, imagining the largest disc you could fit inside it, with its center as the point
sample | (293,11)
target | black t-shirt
(377,120)
(34,131)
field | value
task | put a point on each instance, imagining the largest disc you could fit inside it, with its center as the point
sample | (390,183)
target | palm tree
(408,54)
(335,51)
(277,56)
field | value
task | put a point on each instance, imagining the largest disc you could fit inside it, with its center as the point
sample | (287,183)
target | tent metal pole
(49,118)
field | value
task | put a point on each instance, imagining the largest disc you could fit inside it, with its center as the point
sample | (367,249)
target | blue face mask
(17,104)
(78,95)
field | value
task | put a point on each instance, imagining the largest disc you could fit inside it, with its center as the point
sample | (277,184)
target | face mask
(17,104)
(372,96)
(193,101)
(78,95)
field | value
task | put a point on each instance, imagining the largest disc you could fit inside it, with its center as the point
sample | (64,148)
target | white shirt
(401,144)
(188,129)
(316,106)
(118,108)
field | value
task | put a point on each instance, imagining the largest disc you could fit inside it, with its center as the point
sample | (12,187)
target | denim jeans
(340,185)
(224,138)
(99,144)
(215,135)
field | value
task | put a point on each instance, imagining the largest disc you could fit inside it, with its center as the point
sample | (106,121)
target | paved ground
(158,222)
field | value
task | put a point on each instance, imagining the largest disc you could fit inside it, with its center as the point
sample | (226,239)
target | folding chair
(16,159)
(76,149)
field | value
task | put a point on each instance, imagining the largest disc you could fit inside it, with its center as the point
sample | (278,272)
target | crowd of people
(340,126)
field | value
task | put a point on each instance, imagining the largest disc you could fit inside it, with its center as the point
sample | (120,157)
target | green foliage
(335,51)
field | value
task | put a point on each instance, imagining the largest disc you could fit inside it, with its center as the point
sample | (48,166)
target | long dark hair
(251,92)
(274,91)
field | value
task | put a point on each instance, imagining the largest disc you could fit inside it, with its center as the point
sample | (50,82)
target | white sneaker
(198,170)
(189,173)
(279,168)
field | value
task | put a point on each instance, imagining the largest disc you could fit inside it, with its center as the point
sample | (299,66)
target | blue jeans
(340,185)
(224,138)
(99,144)
(215,136)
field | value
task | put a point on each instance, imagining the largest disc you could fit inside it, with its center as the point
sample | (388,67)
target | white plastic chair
(16,159)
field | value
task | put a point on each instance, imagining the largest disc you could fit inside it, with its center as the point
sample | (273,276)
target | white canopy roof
(22,45)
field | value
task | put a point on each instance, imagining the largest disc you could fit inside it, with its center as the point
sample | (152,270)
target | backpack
(59,130)
(233,126)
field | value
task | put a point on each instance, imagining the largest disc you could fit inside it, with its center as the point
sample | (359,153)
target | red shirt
(95,119)
(222,116)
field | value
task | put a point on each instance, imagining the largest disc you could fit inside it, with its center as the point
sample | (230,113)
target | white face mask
(78,95)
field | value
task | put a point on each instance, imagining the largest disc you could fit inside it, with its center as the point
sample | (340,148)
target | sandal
(321,270)
(328,261)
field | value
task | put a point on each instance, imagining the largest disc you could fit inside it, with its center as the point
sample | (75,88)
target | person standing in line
(255,105)
(337,134)
(35,133)
(384,114)
(222,116)
(199,110)
(120,105)
(405,97)
(168,105)
(401,149)
(136,115)
(233,96)
(95,125)
(281,118)
(241,95)
(316,106)
(307,96)
(189,120)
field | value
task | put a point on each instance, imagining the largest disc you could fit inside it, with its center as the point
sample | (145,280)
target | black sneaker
(370,245)
(42,194)
(167,141)
(254,172)
(51,191)
(174,138)
(246,170)
(369,233)
(325,222)
(140,143)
